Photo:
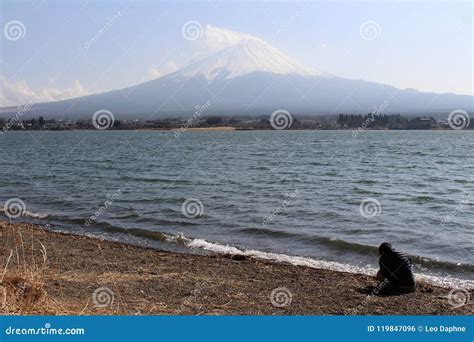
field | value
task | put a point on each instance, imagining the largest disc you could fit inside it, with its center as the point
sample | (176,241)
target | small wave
(423,199)
(419,153)
(163,222)
(154,180)
(102,223)
(179,239)
(331,242)
(416,199)
(364,191)
(27,213)
(346,246)
(35,215)
(294,260)
(143,200)
(128,215)
(365,181)
(446,282)
(319,164)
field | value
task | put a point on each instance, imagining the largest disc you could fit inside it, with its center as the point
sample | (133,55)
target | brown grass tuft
(22,278)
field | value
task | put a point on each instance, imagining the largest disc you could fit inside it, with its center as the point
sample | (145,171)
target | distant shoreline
(233,129)
(354,123)
(61,273)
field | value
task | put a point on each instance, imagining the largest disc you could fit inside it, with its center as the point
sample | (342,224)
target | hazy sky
(53,53)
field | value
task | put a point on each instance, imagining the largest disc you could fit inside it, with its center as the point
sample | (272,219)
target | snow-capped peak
(244,54)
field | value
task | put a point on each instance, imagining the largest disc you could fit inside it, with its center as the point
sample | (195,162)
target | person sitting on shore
(395,270)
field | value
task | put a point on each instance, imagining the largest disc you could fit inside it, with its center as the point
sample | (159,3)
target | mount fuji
(251,77)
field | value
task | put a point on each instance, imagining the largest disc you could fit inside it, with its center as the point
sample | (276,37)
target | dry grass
(51,273)
(22,279)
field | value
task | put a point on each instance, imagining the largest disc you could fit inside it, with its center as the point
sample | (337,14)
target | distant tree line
(370,120)
(246,122)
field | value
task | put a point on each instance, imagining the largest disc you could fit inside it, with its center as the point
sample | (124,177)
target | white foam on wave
(35,215)
(25,213)
(446,282)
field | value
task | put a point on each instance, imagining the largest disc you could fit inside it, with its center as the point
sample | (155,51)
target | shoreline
(46,272)
(237,129)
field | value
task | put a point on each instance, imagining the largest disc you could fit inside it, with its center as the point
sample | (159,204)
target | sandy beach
(50,273)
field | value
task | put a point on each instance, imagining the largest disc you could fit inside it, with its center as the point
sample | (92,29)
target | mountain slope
(251,77)
(244,58)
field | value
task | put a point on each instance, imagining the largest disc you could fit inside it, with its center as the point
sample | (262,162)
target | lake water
(288,195)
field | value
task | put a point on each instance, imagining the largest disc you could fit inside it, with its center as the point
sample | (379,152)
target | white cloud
(217,38)
(213,39)
(18,93)
(165,69)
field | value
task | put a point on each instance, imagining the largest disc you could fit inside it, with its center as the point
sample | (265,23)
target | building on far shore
(422,123)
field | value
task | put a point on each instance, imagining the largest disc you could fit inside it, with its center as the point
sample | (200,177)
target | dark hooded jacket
(397,267)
